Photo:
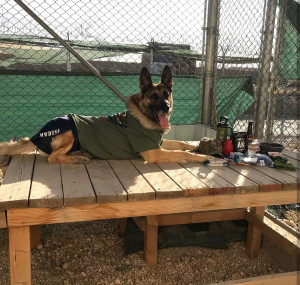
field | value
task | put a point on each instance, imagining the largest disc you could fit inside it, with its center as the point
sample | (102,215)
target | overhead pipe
(70,49)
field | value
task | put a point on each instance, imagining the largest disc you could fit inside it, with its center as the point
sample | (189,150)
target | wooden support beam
(192,218)
(3,223)
(39,216)
(121,225)
(289,278)
(201,217)
(19,247)
(149,225)
(35,236)
(140,222)
(254,235)
(150,240)
(289,245)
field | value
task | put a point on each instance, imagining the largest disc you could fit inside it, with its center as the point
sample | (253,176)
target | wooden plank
(242,183)
(294,158)
(19,253)
(295,174)
(275,233)
(135,184)
(254,234)
(292,154)
(163,185)
(266,183)
(150,240)
(3,223)
(290,232)
(217,184)
(293,161)
(201,217)
(107,186)
(288,278)
(190,185)
(46,189)
(288,182)
(39,216)
(76,185)
(15,188)
(192,218)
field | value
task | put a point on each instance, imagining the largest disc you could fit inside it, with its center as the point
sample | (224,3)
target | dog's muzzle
(165,107)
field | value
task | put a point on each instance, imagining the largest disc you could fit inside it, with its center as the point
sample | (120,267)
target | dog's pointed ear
(145,80)
(166,77)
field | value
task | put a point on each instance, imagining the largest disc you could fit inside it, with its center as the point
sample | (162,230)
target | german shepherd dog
(150,110)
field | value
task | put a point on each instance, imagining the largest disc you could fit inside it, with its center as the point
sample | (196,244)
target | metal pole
(259,73)
(202,63)
(274,79)
(69,68)
(211,46)
(262,96)
(71,50)
(151,55)
(215,68)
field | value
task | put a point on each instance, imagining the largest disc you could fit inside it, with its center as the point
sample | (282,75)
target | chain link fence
(229,58)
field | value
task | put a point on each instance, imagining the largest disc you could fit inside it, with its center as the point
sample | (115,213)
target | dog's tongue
(163,120)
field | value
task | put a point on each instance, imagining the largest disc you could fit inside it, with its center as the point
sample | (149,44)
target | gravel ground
(91,253)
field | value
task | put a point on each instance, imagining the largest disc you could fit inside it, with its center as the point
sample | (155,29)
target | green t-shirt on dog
(120,136)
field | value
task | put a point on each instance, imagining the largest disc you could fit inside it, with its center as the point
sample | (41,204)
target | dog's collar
(143,119)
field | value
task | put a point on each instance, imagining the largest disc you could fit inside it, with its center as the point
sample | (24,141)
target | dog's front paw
(86,154)
(81,160)
(204,158)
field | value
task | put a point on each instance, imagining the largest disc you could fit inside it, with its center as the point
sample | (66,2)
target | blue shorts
(56,126)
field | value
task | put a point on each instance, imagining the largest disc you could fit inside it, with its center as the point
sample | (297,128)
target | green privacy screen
(290,54)
(29,101)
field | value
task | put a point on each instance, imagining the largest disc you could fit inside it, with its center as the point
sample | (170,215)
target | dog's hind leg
(60,145)
(23,146)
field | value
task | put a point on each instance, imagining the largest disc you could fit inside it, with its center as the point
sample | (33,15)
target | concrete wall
(190,132)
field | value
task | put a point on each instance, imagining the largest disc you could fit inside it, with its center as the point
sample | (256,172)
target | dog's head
(155,100)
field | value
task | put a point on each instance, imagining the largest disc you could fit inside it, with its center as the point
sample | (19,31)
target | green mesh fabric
(290,52)
(28,101)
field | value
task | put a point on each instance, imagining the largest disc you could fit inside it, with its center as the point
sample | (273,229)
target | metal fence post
(202,62)
(275,70)
(210,60)
(263,86)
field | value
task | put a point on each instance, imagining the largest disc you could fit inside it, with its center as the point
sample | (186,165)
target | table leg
(254,235)
(19,251)
(150,240)
(35,236)
(121,225)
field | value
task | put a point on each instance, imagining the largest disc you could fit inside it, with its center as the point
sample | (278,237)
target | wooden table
(35,193)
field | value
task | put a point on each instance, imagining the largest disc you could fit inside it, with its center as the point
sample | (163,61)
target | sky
(136,22)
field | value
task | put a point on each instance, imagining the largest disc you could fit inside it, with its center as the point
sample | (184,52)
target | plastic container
(266,147)
(227,147)
(252,149)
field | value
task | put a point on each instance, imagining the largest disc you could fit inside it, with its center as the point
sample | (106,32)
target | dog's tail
(23,146)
